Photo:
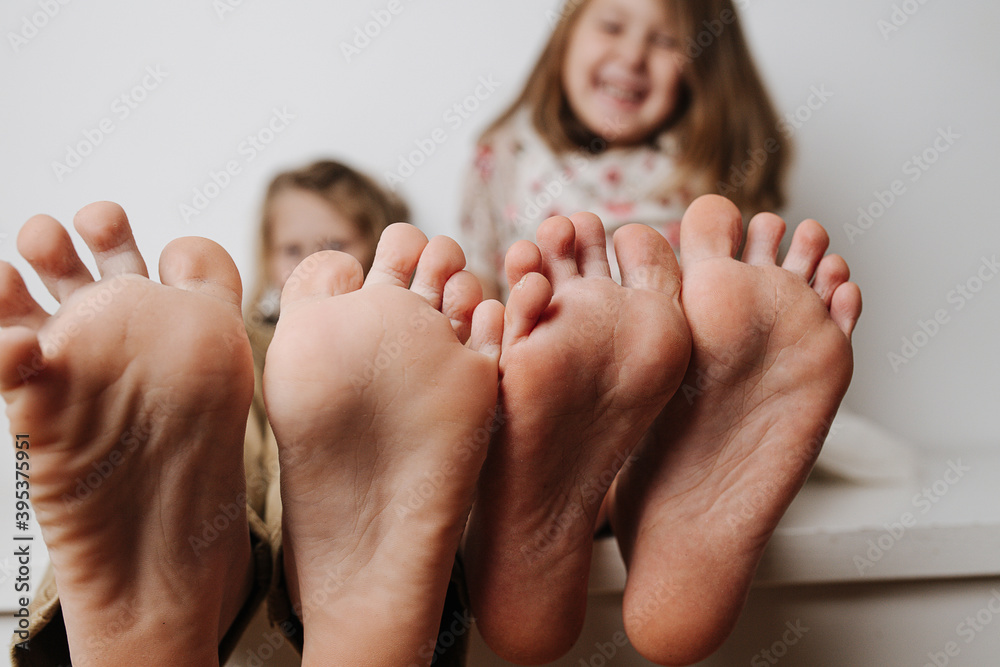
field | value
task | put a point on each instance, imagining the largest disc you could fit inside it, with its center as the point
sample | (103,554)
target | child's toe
(809,243)
(557,243)
(17,307)
(200,265)
(106,231)
(462,293)
(528,300)
(522,258)
(323,274)
(712,227)
(646,259)
(441,259)
(48,248)
(396,257)
(845,307)
(763,239)
(831,273)
(20,357)
(487,329)
(591,245)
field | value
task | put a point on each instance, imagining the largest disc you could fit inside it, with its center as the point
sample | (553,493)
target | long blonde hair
(724,124)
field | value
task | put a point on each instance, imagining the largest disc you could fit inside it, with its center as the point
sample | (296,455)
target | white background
(891,94)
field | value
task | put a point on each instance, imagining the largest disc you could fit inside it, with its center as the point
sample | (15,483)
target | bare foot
(587,365)
(135,397)
(383,418)
(771,361)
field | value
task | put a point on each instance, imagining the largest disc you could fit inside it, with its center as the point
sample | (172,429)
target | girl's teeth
(620,93)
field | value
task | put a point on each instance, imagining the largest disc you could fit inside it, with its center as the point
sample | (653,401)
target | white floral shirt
(516,182)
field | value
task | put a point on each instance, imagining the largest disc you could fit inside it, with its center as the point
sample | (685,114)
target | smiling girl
(619,119)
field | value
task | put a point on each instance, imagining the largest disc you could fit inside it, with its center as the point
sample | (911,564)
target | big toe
(323,274)
(199,265)
(712,227)
(399,249)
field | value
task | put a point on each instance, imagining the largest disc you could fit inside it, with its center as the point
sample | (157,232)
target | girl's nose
(631,50)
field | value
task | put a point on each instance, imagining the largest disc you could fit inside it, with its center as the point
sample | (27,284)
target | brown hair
(728,136)
(354,195)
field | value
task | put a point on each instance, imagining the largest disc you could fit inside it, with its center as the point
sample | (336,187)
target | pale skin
(771,360)
(411,432)
(148,385)
(588,371)
(157,384)
(587,365)
(623,69)
(622,75)
(302,223)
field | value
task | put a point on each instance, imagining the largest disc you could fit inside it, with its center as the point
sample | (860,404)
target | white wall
(225,74)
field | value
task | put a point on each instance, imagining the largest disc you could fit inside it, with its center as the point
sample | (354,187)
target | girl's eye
(331,244)
(664,41)
(291,251)
(611,27)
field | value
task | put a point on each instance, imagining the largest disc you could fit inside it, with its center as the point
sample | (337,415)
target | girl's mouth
(629,95)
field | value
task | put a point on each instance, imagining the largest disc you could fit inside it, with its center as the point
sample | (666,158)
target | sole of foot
(587,364)
(770,364)
(134,397)
(382,396)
